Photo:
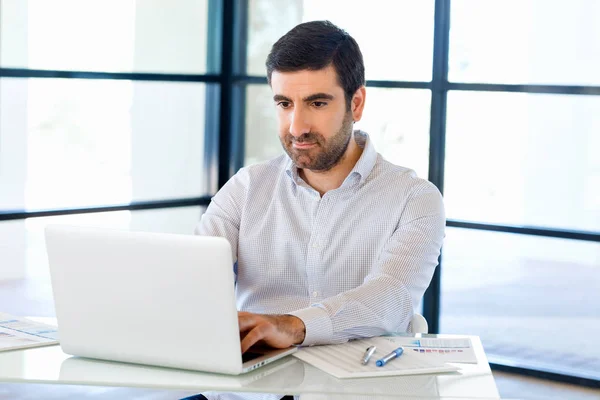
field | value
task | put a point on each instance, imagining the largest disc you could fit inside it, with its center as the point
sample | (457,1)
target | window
(94,142)
(530,42)
(397,44)
(102,104)
(504,119)
(525,296)
(104,35)
(523,159)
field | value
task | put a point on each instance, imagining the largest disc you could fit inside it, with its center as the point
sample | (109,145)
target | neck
(324,181)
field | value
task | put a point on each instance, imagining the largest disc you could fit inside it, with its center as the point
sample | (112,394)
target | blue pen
(394,354)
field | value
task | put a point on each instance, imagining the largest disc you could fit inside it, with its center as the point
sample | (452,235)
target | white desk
(286,376)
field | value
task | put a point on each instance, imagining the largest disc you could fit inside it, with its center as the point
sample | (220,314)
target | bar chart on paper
(448,350)
(20,333)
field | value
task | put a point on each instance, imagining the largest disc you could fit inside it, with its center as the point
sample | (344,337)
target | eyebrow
(312,97)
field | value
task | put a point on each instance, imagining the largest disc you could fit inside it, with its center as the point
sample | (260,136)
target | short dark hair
(316,45)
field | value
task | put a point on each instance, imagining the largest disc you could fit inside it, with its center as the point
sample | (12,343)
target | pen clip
(368,353)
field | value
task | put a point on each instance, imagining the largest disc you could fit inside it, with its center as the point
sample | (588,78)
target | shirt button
(315,294)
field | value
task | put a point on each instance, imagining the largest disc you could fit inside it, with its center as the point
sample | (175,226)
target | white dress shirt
(352,263)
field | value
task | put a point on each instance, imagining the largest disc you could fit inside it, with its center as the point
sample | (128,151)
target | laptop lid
(148,298)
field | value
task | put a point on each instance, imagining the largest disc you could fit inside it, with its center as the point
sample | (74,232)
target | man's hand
(279,331)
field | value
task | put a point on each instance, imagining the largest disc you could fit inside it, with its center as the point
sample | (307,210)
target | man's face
(314,124)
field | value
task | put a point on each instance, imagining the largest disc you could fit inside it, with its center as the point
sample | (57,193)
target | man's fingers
(246,321)
(274,331)
(251,338)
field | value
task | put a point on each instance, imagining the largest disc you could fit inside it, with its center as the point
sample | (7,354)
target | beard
(326,153)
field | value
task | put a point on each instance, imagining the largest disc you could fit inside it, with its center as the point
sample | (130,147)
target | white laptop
(148,298)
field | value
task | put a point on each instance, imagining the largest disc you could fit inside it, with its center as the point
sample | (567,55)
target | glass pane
(73,143)
(395,36)
(25,257)
(532,300)
(262,141)
(104,35)
(523,159)
(398,122)
(525,41)
(402,137)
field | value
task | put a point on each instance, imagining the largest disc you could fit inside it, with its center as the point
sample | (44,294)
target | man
(332,242)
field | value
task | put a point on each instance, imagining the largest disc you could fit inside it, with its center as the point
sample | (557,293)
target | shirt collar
(363,166)
(368,158)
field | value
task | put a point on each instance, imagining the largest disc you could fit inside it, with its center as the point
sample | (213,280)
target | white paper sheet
(344,360)
(20,333)
(446,350)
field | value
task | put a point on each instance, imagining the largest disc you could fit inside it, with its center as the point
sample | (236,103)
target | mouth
(303,146)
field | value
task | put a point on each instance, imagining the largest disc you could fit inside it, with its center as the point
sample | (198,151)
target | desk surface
(286,376)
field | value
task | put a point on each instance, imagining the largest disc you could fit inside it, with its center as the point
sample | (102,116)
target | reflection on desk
(288,372)
(287,376)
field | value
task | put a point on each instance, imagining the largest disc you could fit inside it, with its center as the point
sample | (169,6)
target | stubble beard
(326,154)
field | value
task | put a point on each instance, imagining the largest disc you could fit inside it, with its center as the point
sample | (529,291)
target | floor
(513,386)
(34,297)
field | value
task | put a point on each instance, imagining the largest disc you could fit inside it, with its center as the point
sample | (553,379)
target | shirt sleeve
(223,215)
(385,301)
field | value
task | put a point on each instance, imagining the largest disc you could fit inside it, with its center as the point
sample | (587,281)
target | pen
(368,353)
(395,353)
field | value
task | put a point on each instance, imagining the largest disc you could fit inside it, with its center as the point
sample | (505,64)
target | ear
(357,104)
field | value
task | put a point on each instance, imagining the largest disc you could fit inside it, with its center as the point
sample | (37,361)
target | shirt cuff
(319,329)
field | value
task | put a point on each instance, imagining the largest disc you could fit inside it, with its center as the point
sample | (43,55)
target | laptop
(148,298)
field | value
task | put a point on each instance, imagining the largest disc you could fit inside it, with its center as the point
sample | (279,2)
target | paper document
(447,350)
(20,333)
(344,360)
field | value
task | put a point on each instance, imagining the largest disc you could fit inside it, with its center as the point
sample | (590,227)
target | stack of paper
(344,360)
(20,333)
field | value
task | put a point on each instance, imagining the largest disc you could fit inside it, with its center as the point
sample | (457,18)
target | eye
(319,104)
(284,104)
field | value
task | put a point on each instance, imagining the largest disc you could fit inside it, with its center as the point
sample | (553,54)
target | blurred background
(131,114)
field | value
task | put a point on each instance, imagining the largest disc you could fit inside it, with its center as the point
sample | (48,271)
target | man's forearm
(292,326)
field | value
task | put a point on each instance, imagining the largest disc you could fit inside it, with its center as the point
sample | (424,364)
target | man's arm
(386,299)
(384,302)
(222,218)
(223,215)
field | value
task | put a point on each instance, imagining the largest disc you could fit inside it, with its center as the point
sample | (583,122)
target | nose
(299,124)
